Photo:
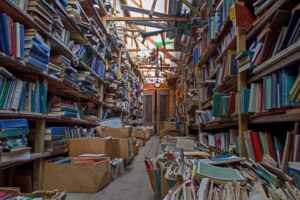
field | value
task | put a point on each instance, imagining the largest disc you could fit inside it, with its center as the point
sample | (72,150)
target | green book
(6,88)
(13,132)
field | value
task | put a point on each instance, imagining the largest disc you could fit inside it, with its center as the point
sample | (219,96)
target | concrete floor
(133,185)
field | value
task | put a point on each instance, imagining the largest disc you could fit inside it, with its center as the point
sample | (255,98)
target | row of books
(275,37)
(11,37)
(22,4)
(283,148)
(224,105)
(16,94)
(273,92)
(223,141)
(204,116)
(13,134)
(228,69)
(56,138)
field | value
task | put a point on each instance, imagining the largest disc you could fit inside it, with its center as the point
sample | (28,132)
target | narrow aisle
(132,185)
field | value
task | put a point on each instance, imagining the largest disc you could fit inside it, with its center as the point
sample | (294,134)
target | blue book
(13,123)
(274,91)
(40,57)
(288,82)
(56,130)
(44,91)
(39,46)
(245,100)
(22,42)
(37,97)
(23,95)
(37,63)
(2,47)
(4,31)
(33,98)
(11,88)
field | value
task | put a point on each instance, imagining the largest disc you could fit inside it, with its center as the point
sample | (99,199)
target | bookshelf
(91,18)
(210,49)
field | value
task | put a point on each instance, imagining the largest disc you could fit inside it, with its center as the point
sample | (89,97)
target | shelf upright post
(38,167)
(242,83)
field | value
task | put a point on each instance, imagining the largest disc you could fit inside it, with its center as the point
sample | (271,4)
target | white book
(17,39)
(252,102)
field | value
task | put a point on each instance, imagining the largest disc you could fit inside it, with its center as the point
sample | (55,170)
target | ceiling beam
(191,7)
(142,11)
(152,8)
(169,50)
(147,19)
(152,24)
(135,3)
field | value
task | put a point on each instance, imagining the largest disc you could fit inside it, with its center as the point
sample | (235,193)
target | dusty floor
(133,185)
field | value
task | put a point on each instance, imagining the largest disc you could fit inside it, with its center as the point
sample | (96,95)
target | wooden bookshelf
(25,71)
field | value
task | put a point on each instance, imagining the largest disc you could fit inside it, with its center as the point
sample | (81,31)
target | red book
(12,37)
(295,132)
(244,18)
(271,146)
(232,98)
(256,147)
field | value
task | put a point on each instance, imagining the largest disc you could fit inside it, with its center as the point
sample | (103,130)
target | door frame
(150,93)
(160,124)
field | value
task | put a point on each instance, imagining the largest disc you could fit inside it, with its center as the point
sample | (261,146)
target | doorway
(156,108)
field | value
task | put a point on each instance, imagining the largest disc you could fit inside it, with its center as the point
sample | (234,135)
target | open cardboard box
(80,175)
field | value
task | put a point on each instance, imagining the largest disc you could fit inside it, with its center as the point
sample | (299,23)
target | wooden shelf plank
(263,20)
(34,156)
(221,123)
(285,58)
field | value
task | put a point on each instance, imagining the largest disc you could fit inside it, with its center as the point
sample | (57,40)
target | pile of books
(224,141)
(55,139)
(228,69)
(282,148)
(37,52)
(64,110)
(203,116)
(11,37)
(13,137)
(22,95)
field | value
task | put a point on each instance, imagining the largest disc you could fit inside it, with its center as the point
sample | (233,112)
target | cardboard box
(93,145)
(125,148)
(124,132)
(77,177)
(138,133)
(169,132)
(170,126)
(158,182)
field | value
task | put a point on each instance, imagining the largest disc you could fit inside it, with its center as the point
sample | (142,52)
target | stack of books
(13,137)
(98,66)
(42,13)
(55,139)
(225,105)
(64,110)
(54,71)
(22,95)
(11,37)
(22,4)
(77,132)
(224,141)
(84,53)
(57,28)
(204,116)
(87,82)
(37,52)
